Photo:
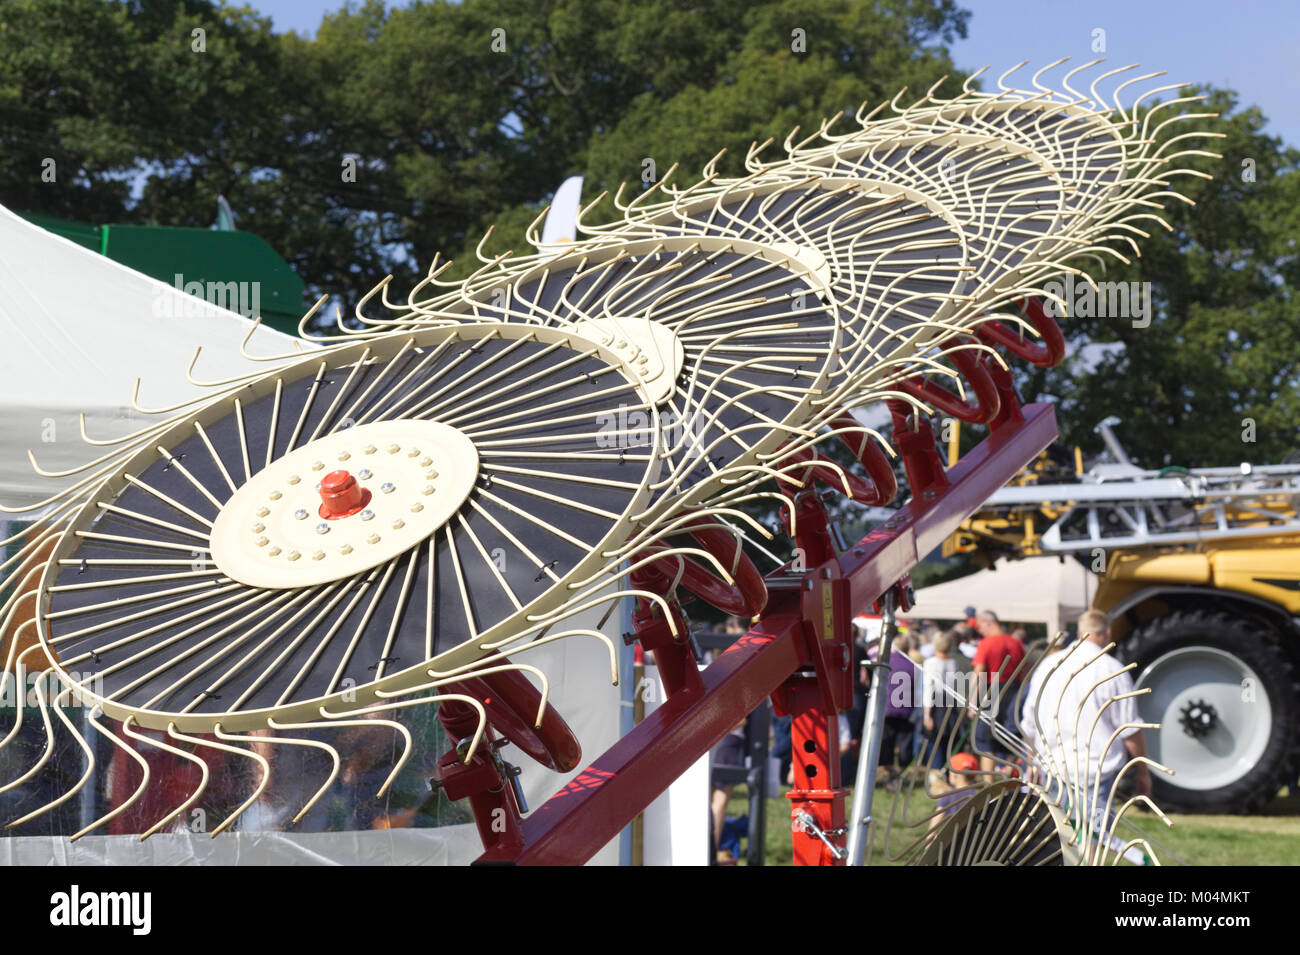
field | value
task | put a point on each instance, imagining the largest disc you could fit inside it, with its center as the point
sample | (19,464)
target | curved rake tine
(85,776)
(289,741)
(175,751)
(139,791)
(236,751)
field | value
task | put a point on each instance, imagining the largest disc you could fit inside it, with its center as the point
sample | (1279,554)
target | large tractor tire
(1228,700)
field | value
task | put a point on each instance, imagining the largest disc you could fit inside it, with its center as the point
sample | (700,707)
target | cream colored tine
(124,581)
(329,594)
(175,751)
(356,366)
(351,412)
(108,458)
(243,346)
(380,288)
(72,492)
(474,674)
(327,638)
(1052,768)
(131,800)
(1119,107)
(1078,797)
(19,670)
(405,592)
(344,719)
(415,392)
(138,598)
(216,458)
(340,671)
(462,422)
(43,705)
(302,417)
(78,786)
(203,622)
(302,322)
(290,741)
(578,604)
(1092,87)
(235,751)
(485,494)
(221,383)
(553,638)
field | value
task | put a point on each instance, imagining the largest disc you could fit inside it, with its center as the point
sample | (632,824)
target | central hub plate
(270,533)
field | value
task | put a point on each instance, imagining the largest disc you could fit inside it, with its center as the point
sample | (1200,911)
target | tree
(1212,380)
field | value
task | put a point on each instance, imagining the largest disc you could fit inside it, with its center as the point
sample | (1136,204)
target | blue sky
(1252,46)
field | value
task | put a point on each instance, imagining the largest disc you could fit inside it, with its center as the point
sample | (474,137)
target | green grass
(1271,838)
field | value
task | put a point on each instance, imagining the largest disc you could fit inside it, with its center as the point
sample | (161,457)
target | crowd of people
(968,702)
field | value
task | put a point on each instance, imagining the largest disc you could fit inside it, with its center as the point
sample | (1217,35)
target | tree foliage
(456,116)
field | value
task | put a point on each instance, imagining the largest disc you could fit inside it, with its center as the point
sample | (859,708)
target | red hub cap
(341,495)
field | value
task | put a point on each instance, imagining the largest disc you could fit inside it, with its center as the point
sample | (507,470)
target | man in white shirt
(1077,725)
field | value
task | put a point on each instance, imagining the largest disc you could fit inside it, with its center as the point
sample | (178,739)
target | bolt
(262,542)
(394,448)
(428,489)
(263,511)
(413,453)
(416,508)
(322,528)
(345,549)
(398,524)
(293,555)
(367,515)
(318,465)
(294,479)
(300,514)
(317,555)
(365,474)
(343,455)
(425,462)
(258,528)
(388,487)
(274,495)
(370,449)
(372,539)
(274,551)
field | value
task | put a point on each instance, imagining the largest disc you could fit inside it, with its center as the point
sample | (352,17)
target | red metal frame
(799,652)
(804,627)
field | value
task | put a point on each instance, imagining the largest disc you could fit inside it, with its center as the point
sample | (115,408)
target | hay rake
(395,519)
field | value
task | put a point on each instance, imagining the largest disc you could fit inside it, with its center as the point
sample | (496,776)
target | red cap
(964,763)
(341,495)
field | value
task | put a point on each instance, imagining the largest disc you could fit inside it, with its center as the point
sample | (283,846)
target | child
(961,768)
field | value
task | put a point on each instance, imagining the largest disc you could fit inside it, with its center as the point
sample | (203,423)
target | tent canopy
(78,329)
(1043,590)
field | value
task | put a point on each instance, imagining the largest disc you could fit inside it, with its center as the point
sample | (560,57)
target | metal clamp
(806,823)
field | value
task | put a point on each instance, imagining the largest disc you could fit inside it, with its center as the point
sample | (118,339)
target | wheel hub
(1198,718)
(297,524)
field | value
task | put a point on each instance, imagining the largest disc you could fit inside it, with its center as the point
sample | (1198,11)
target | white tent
(1043,590)
(77,330)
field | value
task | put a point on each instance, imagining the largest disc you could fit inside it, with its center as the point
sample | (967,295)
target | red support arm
(602,800)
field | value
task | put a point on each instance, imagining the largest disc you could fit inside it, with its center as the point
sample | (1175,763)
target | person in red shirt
(999,655)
